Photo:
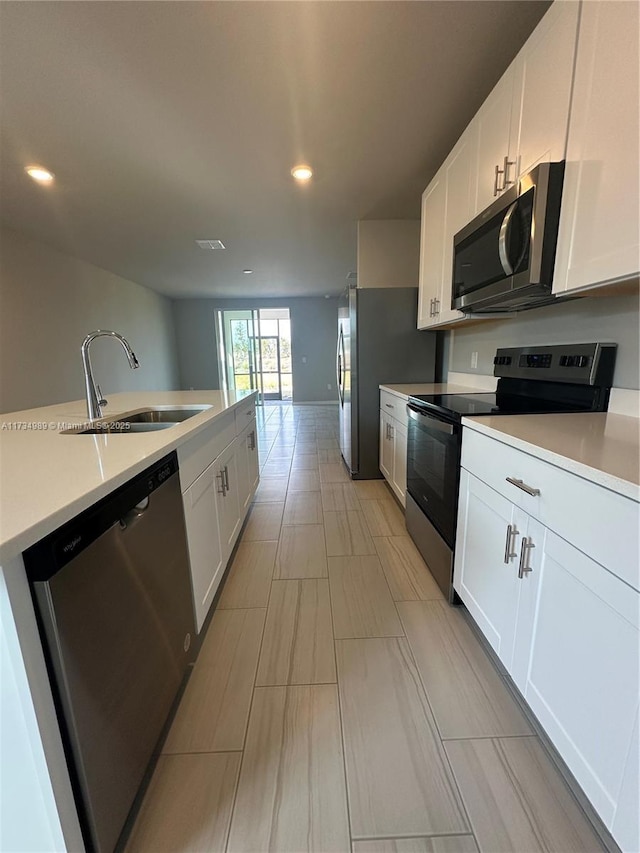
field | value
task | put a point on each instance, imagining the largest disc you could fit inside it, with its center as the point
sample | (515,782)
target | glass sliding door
(255,351)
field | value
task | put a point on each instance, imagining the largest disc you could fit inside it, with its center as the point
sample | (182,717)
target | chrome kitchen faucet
(95,401)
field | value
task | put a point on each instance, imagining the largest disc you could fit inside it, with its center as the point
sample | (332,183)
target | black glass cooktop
(456,406)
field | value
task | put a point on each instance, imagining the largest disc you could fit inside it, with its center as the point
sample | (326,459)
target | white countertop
(406,391)
(47,478)
(601,447)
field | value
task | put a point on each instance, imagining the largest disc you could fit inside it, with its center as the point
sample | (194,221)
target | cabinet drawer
(394,406)
(599,522)
(244,413)
(202,449)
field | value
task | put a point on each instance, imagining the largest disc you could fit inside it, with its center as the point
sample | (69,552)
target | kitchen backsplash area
(604,318)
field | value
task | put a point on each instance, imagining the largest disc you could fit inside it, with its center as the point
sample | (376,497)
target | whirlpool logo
(70,546)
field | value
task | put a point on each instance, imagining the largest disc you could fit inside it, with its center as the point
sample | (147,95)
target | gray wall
(594,318)
(49,302)
(314,323)
(196,343)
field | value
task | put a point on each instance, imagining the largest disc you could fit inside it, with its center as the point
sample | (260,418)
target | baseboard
(315,402)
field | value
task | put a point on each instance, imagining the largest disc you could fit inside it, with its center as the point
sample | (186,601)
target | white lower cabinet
(393,453)
(489,531)
(228,499)
(217,499)
(247,465)
(205,551)
(567,630)
(576,663)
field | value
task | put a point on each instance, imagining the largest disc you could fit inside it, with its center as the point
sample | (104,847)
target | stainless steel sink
(148,420)
(158,416)
(123,428)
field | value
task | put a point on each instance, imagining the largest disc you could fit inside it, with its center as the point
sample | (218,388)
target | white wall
(49,301)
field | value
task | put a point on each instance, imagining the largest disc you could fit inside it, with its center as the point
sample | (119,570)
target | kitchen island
(49,476)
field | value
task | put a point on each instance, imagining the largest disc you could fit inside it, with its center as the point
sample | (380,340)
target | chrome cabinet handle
(221,491)
(522,485)
(252,440)
(512,531)
(226,478)
(496,188)
(389,406)
(523,568)
(506,182)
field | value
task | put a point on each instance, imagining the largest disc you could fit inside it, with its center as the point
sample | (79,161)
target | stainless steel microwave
(503,259)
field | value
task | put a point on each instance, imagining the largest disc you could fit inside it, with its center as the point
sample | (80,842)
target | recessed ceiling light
(210,244)
(302,173)
(42,176)
(247,272)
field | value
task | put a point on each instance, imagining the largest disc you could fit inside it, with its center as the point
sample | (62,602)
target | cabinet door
(431,250)
(543,74)
(577,663)
(626,824)
(486,565)
(460,188)
(228,499)
(493,121)
(247,466)
(386,446)
(252,457)
(399,482)
(599,236)
(205,550)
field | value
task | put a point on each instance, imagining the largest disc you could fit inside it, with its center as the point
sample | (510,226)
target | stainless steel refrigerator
(378,343)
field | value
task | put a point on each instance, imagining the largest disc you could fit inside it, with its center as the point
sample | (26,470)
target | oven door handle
(432,423)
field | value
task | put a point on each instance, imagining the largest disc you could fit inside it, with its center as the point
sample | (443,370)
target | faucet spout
(94,399)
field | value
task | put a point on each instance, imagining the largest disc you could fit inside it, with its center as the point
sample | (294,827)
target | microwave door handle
(502,239)
(431,423)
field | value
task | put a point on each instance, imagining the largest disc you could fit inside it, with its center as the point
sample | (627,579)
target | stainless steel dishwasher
(112,592)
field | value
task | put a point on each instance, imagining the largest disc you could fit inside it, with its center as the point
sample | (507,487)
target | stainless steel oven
(503,259)
(433,475)
(532,380)
(433,468)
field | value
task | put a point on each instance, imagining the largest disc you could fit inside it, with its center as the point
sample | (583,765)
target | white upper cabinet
(493,121)
(543,73)
(447,206)
(598,240)
(431,250)
(524,120)
(460,188)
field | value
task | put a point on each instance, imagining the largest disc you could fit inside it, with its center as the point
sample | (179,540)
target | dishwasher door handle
(135,513)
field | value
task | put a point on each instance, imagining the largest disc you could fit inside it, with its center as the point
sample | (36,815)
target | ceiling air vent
(210,244)
(352,276)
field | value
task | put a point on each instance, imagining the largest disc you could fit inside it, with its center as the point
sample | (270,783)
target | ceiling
(168,122)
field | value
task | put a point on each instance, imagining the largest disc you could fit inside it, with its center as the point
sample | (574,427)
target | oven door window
(433,470)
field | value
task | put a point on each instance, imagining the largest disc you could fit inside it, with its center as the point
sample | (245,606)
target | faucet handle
(101,399)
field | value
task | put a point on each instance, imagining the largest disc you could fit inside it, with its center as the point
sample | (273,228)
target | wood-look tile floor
(338,704)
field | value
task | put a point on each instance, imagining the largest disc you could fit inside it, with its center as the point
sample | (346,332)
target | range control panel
(584,364)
